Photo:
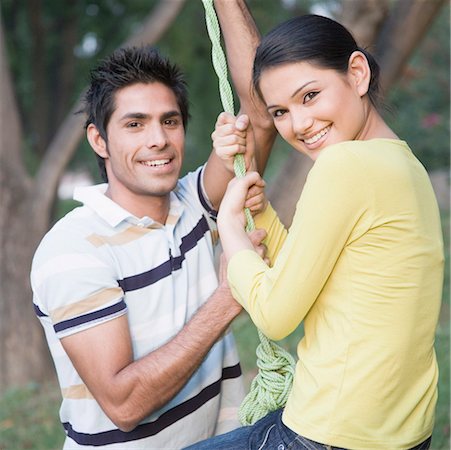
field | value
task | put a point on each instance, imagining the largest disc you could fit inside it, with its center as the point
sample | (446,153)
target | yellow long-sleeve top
(362,266)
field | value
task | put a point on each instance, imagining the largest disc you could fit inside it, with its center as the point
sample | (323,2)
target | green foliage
(441,434)
(420,101)
(65,206)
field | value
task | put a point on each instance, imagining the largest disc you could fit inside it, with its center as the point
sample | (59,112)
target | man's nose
(156,137)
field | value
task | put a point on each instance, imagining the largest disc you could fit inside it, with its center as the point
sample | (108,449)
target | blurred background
(47,48)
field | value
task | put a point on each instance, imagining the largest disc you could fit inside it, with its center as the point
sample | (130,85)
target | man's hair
(125,67)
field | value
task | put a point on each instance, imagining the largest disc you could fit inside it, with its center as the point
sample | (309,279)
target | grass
(29,415)
(29,418)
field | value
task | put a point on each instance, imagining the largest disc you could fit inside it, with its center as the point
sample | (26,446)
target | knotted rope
(225,91)
(271,386)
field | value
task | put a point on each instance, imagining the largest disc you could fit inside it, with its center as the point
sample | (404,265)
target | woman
(361,265)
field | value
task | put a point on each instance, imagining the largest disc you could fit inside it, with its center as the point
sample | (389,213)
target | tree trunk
(25,206)
(407,25)
(25,356)
(64,64)
(20,333)
(364,19)
(37,126)
(285,190)
(408,22)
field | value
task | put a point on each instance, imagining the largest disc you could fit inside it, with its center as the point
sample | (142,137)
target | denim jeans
(269,433)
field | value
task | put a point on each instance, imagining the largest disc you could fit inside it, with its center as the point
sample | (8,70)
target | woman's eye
(310,96)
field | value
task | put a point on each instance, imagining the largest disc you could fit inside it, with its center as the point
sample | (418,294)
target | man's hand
(232,136)
(234,307)
(256,200)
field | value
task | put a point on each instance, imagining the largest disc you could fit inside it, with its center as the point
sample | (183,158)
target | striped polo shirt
(99,262)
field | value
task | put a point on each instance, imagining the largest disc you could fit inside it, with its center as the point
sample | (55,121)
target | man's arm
(127,390)
(241,40)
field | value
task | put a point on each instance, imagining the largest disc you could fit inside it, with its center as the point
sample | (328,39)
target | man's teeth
(317,136)
(158,162)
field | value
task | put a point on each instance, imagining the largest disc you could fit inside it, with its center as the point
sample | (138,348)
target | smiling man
(143,151)
(126,285)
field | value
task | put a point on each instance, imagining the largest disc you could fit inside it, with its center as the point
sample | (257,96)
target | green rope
(225,91)
(270,388)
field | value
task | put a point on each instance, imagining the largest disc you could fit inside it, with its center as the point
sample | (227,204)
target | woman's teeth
(317,136)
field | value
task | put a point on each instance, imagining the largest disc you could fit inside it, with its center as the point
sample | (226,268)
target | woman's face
(313,107)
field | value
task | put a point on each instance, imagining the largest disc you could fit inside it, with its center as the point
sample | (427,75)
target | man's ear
(360,72)
(96,141)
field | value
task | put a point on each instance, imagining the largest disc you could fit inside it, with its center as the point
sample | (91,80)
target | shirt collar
(94,197)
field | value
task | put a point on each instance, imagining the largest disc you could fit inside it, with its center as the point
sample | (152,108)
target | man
(125,286)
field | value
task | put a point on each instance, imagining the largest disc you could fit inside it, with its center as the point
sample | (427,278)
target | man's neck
(155,207)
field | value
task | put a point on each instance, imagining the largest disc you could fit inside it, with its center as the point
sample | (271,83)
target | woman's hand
(240,191)
(231,217)
(232,136)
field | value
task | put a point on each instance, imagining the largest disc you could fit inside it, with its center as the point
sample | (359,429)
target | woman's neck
(375,127)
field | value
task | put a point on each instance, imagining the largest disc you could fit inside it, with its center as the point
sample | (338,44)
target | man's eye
(278,113)
(133,124)
(171,122)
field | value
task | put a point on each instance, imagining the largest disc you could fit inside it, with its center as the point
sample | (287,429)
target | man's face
(145,147)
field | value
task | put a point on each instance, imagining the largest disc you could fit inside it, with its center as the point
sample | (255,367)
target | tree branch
(404,29)
(364,18)
(67,138)
(11,134)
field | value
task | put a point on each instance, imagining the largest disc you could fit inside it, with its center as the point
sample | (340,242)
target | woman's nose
(301,123)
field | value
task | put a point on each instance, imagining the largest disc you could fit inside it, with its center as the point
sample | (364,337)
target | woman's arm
(334,199)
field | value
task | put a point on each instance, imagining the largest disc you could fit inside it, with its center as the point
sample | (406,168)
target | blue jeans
(269,433)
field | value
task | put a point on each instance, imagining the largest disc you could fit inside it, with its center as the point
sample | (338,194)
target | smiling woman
(361,265)
(319,91)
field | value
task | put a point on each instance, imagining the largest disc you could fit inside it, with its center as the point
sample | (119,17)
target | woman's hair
(125,67)
(315,39)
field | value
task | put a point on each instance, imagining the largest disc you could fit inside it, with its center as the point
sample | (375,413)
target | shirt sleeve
(74,287)
(191,187)
(333,201)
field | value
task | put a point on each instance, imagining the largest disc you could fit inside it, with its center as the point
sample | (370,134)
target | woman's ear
(96,141)
(360,72)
